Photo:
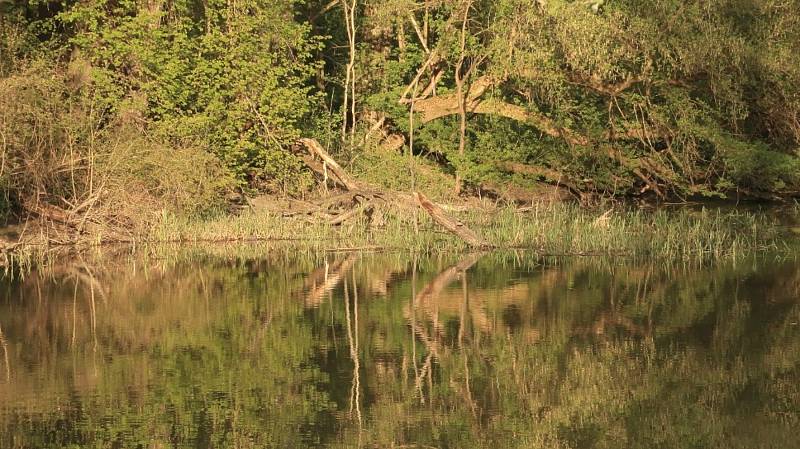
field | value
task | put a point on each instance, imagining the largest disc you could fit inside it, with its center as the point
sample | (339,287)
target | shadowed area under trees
(114,113)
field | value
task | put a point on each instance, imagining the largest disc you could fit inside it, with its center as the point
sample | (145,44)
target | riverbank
(546,228)
(552,229)
(346,213)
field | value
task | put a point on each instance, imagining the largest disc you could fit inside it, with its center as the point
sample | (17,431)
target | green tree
(661,96)
(231,76)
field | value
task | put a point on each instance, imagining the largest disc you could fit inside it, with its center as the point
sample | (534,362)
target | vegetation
(205,121)
(114,113)
(62,160)
(552,229)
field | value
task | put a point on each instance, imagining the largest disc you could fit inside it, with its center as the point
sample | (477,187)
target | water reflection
(392,350)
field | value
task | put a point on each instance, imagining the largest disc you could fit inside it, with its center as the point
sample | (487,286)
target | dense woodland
(122,106)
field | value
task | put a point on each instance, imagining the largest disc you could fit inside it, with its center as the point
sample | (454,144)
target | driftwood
(360,197)
(454,226)
(341,218)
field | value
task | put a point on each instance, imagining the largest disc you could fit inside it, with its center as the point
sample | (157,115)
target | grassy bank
(73,178)
(555,229)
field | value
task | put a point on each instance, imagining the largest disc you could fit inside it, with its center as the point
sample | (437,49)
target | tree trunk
(462,101)
(340,176)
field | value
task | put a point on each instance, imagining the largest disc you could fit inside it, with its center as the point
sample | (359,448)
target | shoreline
(550,229)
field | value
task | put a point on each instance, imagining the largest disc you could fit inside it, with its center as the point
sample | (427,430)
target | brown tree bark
(461,100)
(436,107)
(452,225)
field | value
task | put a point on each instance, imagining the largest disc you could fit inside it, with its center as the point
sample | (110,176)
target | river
(227,347)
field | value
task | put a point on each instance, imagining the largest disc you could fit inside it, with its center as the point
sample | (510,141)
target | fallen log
(341,218)
(452,225)
(374,197)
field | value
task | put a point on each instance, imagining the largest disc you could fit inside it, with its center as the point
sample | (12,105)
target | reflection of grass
(551,229)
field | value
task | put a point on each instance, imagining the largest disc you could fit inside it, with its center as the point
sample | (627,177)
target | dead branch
(433,58)
(341,218)
(365,197)
(328,6)
(418,30)
(341,176)
(454,226)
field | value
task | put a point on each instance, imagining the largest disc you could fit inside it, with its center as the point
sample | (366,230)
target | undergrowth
(69,163)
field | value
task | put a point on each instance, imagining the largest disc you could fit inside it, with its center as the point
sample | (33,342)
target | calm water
(499,350)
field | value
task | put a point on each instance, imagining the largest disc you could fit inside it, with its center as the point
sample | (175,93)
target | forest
(119,112)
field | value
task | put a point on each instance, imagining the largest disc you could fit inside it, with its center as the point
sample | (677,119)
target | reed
(553,229)
(557,229)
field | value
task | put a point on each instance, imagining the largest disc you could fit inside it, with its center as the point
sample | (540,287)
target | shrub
(64,159)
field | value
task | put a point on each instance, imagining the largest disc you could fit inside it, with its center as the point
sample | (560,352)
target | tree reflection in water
(392,350)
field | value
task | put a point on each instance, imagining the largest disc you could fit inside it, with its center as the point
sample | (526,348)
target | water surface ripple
(500,350)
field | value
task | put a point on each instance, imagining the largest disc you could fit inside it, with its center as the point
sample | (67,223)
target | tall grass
(555,229)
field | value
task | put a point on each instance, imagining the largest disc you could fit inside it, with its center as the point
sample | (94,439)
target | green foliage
(620,97)
(683,98)
(61,150)
(231,78)
(395,172)
(760,167)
